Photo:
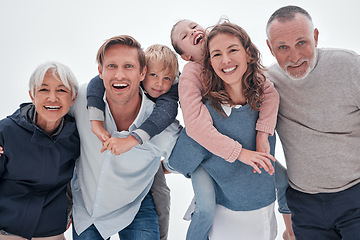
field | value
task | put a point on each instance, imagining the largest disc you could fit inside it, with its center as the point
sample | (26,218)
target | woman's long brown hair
(252,80)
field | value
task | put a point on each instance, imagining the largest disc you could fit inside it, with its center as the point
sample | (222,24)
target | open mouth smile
(198,38)
(120,85)
(227,70)
(52,108)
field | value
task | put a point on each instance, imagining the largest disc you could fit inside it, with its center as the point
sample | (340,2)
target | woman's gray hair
(58,70)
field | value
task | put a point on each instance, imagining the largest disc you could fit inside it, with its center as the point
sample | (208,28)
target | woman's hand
(257,160)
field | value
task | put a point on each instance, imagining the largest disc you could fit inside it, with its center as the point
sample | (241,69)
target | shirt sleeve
(95,94)
(163,114)
(269,109)
(197,119)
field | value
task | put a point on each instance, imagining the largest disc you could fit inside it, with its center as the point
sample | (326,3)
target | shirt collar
(32,116)
(227,108)
(141,115)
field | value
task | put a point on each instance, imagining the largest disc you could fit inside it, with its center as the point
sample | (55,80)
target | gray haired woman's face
(52,101)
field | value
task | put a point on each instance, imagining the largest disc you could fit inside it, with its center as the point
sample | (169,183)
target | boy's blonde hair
(165,56)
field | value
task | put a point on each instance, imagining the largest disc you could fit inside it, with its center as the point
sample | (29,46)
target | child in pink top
(187,39)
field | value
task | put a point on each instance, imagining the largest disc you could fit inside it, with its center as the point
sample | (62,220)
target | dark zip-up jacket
(34,172)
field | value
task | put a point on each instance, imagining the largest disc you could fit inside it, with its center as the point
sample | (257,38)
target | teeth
(229,69)
(197,39)
(52,107)
(120,85)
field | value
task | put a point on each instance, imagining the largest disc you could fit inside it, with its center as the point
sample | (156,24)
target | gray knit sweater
(319,122)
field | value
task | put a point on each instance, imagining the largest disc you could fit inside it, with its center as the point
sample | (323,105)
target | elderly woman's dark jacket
(34,172)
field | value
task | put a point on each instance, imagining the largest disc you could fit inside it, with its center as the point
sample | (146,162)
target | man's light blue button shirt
(108,189)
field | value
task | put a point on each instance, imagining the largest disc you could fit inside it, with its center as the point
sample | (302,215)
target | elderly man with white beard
(319,126)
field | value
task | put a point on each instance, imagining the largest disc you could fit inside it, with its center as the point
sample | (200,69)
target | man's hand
(1,150)
(98,129)
(118,146)
(288,233)
(257,160)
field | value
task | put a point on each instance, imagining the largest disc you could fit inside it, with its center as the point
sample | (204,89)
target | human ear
(73,100)
(316,36)
(248,55)
(32,99)
(269,45)
(143,74)
(186,57)
(100,71)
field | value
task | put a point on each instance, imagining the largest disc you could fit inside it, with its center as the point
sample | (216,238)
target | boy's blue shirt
(164,113)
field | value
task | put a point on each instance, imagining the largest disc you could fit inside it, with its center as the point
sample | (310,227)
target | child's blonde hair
(165,56)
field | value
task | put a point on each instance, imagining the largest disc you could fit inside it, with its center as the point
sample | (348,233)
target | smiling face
(158,80)
(52,101)
(228,59)
(293,43)
(121,73)
(189,37)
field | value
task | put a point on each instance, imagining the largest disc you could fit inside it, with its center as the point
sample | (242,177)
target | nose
(225,58)
(159,82)
(52,96)
(294,55)
(119,74)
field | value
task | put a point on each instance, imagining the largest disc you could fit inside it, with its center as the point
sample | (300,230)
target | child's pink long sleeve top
(198,122)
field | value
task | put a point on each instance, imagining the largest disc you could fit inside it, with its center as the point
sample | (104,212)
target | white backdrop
(69,31)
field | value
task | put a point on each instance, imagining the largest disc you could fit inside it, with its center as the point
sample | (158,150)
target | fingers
(255,168)
(111,146)
(263,161)
(105,146)
(106,136)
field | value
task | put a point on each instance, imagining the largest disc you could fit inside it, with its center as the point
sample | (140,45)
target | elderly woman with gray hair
(40,145)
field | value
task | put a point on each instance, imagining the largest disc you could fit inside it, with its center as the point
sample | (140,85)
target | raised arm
(164,114)
(96,107)
(95,93)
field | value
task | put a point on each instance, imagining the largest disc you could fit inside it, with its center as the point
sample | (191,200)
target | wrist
(261,134)
(135,136)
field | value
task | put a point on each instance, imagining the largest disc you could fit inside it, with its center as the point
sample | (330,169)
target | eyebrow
(232,45)
(298,39)
(46,85)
